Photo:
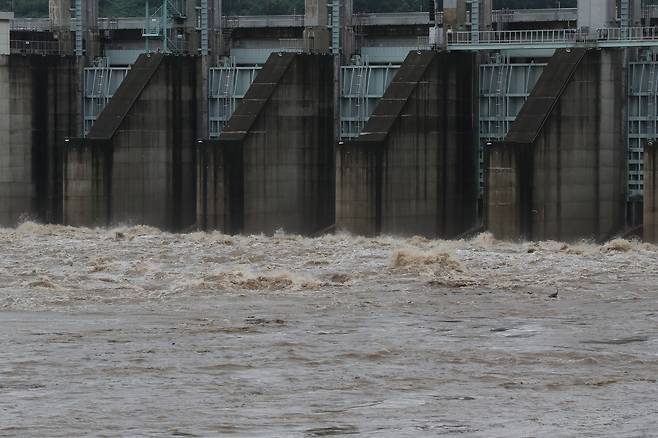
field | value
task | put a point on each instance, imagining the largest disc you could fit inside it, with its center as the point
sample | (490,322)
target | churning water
(133,331)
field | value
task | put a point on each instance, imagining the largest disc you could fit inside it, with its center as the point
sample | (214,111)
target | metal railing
(31,24)
(417,42)
(260,21)
(549,36)
(516,36)
(152,27)
(394,18)
(227,86)
(108,24)
(44,24)
(26,47)
(628,34)
(548,14)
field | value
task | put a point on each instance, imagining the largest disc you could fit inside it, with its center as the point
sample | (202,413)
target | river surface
(135,332)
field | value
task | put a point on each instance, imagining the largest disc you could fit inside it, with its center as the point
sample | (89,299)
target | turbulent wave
(46,265)
(405,258)
(323,336)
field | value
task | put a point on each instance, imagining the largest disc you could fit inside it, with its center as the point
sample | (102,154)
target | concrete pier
(650,193)
(559,174)
(273,165)
(137,165)
(39,107)
(5,26)
(413,169)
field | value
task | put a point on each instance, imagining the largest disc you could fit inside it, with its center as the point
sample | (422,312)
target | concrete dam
(531,124)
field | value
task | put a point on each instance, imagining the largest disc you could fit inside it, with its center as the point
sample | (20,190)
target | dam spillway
(199,142)
(136,164)
(273,166)
(328,224)
(558,174)
(413,168)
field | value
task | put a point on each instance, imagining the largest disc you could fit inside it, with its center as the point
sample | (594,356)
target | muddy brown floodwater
(135,332)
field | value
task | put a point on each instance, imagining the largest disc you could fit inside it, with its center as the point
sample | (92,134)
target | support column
(315,13)
(486,15)
(560,172)
(598,14)
(316,34)
(59,12)
(39,107)
(454,14)
(90,28)
(413,169)
(5,25)
(215,30)
(273,165)
(193,25)
(635,13)
(347,37)
(454,17)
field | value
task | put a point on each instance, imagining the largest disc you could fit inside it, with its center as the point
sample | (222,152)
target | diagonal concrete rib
(131,88)
(545,95)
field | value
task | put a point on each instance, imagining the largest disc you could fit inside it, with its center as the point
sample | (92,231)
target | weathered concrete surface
(509,170)
(596,14)
(559,174)
(315,13)
(5,26)
(273,166)
(137,164)
(650,193)
(220,187)
(413,169)
(87,177)
(39,107)
(454,14)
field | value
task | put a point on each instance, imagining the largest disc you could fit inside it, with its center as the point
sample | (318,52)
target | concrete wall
(348,37)
(220,187)
(39,107)
(86,183)
(580,156)
(413,169)
(486,14)
(508,188)
(454,14)
(315,13)
(140,152)
(59,12)
(358,188)
(596,14)
(273,167)
(317,38)
(5,25)
(650,193)
(560,172)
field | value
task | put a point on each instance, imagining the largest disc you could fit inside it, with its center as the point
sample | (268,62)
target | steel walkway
(553,39)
